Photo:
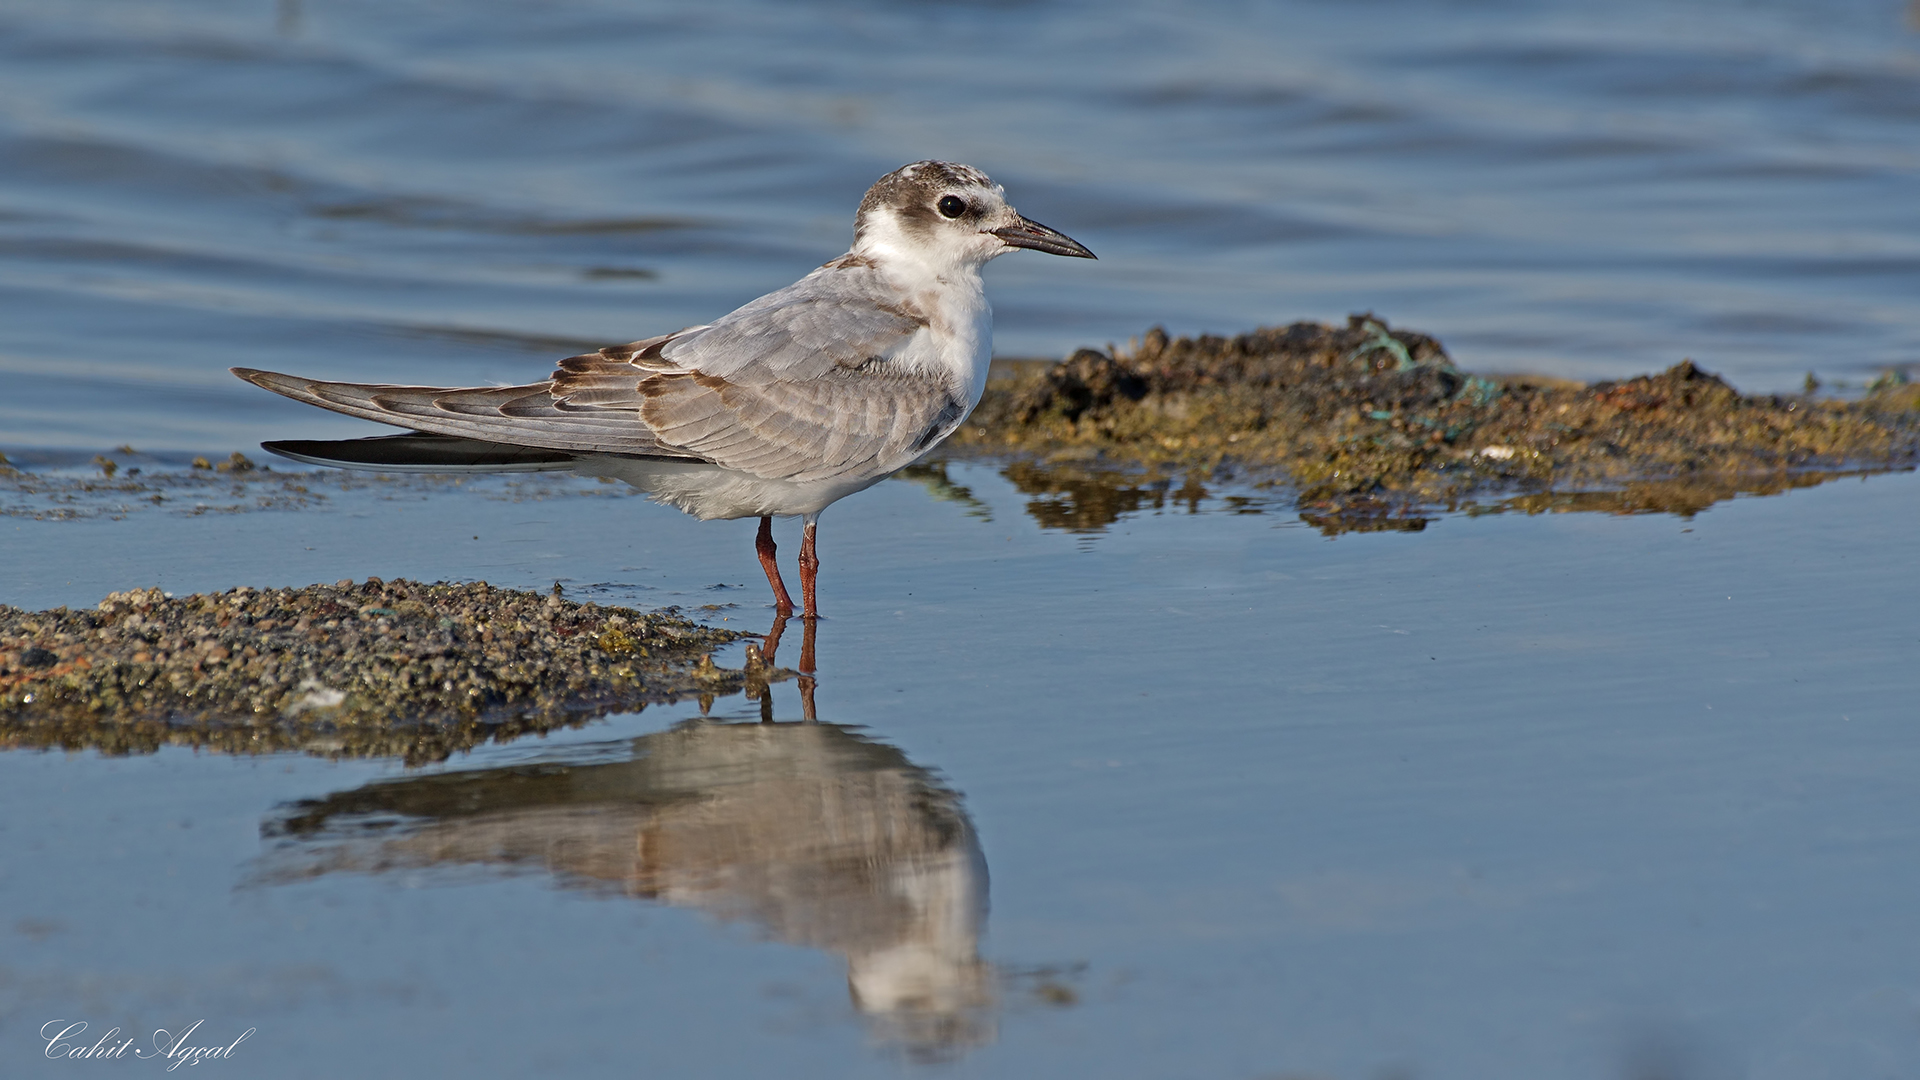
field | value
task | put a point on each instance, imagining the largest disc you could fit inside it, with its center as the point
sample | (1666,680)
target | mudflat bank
(1366,421)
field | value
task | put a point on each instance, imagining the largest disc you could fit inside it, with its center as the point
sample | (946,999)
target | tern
(777,409)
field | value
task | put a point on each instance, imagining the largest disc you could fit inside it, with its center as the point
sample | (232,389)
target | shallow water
(1561,795)
(1109,779)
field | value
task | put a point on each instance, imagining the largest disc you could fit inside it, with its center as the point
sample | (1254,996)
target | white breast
(957,341)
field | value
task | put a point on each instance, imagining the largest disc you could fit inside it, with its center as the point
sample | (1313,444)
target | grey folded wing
(849,422)
(798,385)
(801,384)
(846,424)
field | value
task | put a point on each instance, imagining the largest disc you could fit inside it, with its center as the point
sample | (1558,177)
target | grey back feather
(837,316)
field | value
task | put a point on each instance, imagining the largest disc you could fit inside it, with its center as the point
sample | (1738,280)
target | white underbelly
(711,492)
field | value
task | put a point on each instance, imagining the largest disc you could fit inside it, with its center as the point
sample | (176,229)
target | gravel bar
(378,667)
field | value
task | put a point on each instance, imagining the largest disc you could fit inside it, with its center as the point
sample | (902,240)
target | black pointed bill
(1032,234)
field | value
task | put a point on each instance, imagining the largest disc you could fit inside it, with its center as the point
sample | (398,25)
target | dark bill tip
(1032,234)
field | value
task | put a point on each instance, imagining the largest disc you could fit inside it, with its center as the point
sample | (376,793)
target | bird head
(941,215)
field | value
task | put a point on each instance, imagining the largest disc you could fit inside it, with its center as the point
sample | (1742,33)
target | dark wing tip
(265,379)
(422,452)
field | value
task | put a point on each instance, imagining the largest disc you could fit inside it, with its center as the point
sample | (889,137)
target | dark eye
(952,206)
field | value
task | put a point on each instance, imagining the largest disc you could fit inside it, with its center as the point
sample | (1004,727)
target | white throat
(940,278)
(947,254)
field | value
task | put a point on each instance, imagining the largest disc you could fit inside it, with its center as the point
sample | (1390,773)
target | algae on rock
(1370,421)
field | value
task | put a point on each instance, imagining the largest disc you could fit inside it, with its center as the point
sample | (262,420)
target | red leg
(773,638)
(809,571)
(806,670)
(767,659)
(763,544)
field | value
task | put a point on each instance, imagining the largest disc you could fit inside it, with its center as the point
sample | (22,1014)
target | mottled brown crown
(911,190)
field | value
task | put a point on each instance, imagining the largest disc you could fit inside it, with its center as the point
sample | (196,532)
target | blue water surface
(1194,792)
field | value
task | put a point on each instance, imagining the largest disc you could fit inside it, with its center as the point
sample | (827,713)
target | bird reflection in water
(812,832)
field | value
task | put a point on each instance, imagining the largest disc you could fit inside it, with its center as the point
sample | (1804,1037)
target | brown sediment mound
(379,668)
(1377,422)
